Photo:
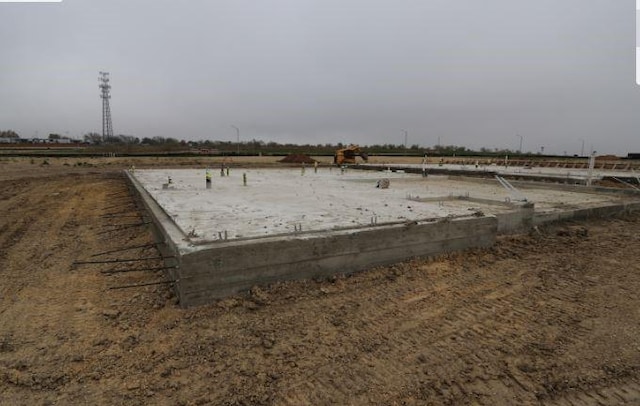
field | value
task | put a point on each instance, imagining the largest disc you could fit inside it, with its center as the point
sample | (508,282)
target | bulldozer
(348,155)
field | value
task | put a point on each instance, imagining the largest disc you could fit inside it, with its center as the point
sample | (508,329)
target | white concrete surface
(278,201)
(566,173)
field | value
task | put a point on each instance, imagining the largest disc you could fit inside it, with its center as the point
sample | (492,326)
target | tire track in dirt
(24,230)
(625,393)
(49,240)
(450,334)
(64,303)
(388,315)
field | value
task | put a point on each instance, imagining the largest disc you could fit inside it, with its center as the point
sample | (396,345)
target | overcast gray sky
(473,73)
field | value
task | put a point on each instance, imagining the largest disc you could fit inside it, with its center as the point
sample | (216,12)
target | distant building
(205,151)
(39,140)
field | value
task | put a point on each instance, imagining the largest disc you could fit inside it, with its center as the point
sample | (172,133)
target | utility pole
(406,135)
(521,138)
(592,164)
(237,140)
(105,87)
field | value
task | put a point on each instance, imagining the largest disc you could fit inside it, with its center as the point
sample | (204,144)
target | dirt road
(549,318)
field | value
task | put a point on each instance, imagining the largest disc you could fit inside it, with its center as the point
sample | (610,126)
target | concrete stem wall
(226,269)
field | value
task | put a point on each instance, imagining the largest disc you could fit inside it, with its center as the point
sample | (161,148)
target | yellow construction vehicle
(348,155)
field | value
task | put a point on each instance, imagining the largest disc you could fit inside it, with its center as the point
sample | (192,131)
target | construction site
(319,203)
(255,227)
(394,283)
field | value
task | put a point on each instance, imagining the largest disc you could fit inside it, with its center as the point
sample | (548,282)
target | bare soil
(297,159)
(549,318)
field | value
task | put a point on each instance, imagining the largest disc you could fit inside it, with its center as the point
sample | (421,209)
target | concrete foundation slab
(295,223)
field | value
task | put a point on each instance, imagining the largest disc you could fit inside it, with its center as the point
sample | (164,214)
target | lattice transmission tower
(107,127)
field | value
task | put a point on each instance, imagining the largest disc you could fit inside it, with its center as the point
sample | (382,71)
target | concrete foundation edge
(160,223)
(215,272)
(603,211)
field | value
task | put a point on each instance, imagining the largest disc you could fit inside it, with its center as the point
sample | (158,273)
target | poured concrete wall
(227,268)
(163,228)
(610,210)
(517,220)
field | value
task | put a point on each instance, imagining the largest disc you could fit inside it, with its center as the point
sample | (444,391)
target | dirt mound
(607,158)
(297,159)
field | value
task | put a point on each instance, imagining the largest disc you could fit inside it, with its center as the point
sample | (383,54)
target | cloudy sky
(465,72)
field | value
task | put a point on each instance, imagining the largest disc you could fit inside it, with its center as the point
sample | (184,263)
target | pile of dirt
(297,159)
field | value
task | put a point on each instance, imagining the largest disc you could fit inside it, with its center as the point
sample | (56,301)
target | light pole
(406,134)
(521,138)
(238,140)
(582,149)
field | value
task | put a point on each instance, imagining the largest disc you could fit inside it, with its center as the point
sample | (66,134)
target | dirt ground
(549,318)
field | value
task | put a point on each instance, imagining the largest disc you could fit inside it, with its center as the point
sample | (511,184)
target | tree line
(256,147)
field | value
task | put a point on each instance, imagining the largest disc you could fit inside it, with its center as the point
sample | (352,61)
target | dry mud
(550,318)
